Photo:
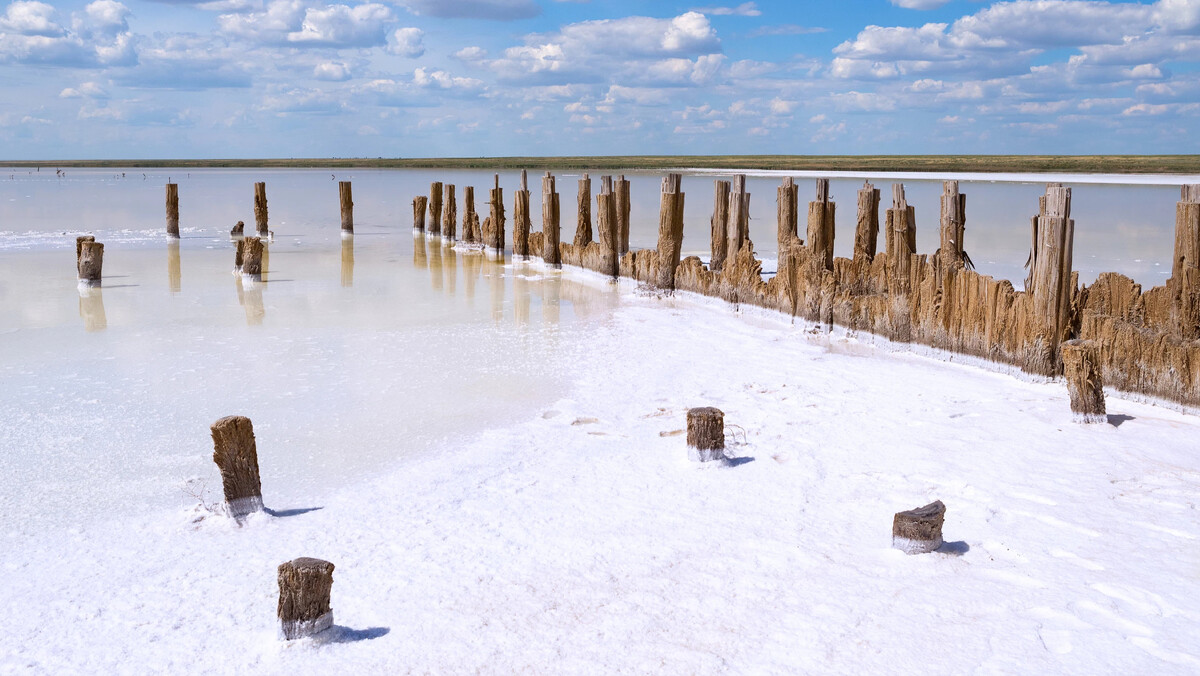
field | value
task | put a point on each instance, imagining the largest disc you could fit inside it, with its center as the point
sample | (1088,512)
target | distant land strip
(1081,164)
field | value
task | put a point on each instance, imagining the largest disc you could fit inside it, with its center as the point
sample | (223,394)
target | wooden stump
(91,262)
(260,209)
(236,456)
(919,531)
(238,230)
(866,232)
(952,224)
(622,189)
(346,201)
(820,225)
(1185,272)
(739,218)
(900,240)
(79,248)
(583,220)
(173,209)
(786,221)
(1084,383)
(706,434)
(719,226)
(1051,282)
(420,203)
(608,229)
(551,253)
(495,234)
(449,216)
(239,250)
(304,590)
(521,223)
(435,206)
(252,255)
(670,231)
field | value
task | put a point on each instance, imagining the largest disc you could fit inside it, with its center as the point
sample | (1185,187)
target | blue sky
(419,78)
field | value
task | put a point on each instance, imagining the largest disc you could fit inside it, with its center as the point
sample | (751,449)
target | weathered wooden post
(583,221)
(622,190)
(550,231)
(419,204)
(866,232)
(919,531)
(1185,271)
(706,434)
(252,255)
(787,222)
(239,251)
(1084,383)
(91,262)
(900,239)
(260,209)
(346,200)
(304,589)
(238,230)
(79,248)
(236,456)
(435,206)
(719,226)
(820,225)
(952,224)
(1051,280)
(173,209)
(608,229)
(449,216)
(521,223)
(174,271)
(347,261)
(495,235)
(739,217)
(471,231)
(670,231)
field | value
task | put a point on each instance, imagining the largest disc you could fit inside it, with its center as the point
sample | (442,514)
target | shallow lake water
(352,352)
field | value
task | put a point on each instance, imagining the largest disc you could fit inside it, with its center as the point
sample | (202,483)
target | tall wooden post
(787,223)
(608,228)
(866,232)
(260,209)
(719,225)
(622,190)
(739,217)
(820,225)
(583,227)
(1051,278)
(1185,270)
(435,206)
(670,231)
(900,239)
(173,209)
(952,223)
(495,236)
(420,203)
(449,216)
(346,201)
(551,253)
(521,222)
(236,455)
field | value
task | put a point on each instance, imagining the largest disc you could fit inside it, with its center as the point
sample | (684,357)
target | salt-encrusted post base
(706,434)
(919,531)
(304,587)
(1084,383)
(237,457)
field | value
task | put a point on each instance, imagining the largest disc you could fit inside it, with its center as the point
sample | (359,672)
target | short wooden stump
(1084,383)
(919,531)
(236,455)
(706,434)
(304,587)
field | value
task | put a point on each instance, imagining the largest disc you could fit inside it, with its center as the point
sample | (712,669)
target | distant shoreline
(1077,164)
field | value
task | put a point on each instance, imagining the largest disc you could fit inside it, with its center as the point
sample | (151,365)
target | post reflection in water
(250,296)
(266,258)
(521,296)
(449,266)
(435,265)
(91,308)
(472,266)
(347,260)
(174,276)
(495,273)
(420,260)
(551,290)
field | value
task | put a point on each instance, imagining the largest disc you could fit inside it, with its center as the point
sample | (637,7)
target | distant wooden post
(952,224)
(919,531)
(583,227)
(239,251)
(304,590)
(1051,274)
(173,209)
(551,253)
(347,204)
(739,218)
(820,225)
(260,209)
(90,262)
(866,232)
(900,239)
(719,225)
(449,216)
(420,204)
(252,255)
(236,456)
(521,222)
(670,231)
(787,201)
(1084,383)
(622,190)
(608,228)
(495,234)
(238,229)
(435,207)
(706,434)
(1185,271)
(79,248)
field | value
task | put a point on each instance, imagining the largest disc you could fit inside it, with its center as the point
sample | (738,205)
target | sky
(473,78)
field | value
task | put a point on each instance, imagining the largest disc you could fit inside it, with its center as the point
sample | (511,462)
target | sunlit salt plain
(491,453)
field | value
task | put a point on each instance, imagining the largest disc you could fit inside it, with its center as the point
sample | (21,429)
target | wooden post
(252,254)
(236,456)
(347,204)
(622,190)
(435,206)
(1084,382)
(260,209)
(238,230)
(706,434)
(521,223)
(419,204)
(900,239)
(470,224)
(79,248)
(304,589)
(919,531)
(495,234)
(1185,270)
(719,225)
(90,263)
(550,231)
(1051,274)
(608,228)
(739,218)
(583,227)
(866,232)
(670,231)
(787,202)
(173,209)
(239,251)
(449,216)
(820,225)
(951,225)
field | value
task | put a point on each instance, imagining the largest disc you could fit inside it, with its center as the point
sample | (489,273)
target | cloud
(331,71)
(499,10)
(89,90)
(744,9)
(31,19)
(343,26)
(31,33)
(919,4)
(406,42)
(786,29)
